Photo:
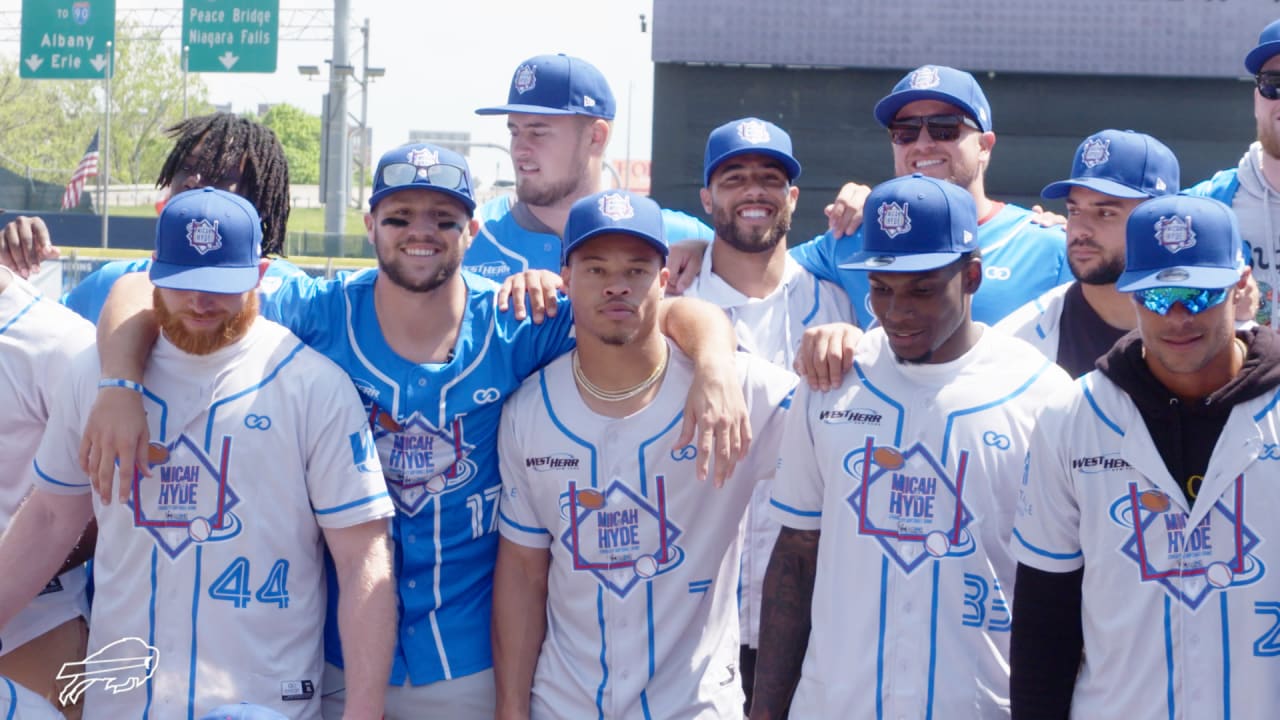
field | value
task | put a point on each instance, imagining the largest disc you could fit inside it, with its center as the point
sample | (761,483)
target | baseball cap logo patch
(616,207)
(925,78)
(894,219)
(1096,151)
(753,131)
(203,235)
(525,80)
(1175,233)
(422,157)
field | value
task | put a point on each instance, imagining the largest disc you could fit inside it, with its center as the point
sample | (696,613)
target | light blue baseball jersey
(88,297)
(503,247)
(436,430)
(1020,260)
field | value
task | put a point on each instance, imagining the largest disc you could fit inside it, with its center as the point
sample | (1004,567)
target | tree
(46,124)
(299,133)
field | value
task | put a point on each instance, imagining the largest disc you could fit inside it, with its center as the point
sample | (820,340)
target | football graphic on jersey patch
(618,535)
(1188,560)
(909,503)
(188,498)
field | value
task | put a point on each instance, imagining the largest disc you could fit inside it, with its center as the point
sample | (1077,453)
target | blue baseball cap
(423,166)
(1181,241)
(748,136)
(937,82)
(1268,47)
(242,711)
(921,224)
(557,85)
(614,211)
(207,240)
(1120,163)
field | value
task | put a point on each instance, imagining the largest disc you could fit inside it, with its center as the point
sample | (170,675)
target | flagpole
(106,147)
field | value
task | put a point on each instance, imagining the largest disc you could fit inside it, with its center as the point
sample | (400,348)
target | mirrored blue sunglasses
(1195,300)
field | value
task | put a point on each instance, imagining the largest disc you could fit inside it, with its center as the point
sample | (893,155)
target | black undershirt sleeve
(1047,643)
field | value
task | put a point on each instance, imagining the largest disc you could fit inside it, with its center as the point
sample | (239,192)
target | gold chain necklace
(617,395)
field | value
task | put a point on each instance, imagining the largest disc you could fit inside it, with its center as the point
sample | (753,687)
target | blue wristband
(121,383)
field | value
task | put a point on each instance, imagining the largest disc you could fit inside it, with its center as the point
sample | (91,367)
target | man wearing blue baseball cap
(1250,186)
(1077,323)
(1150,491)
(215,554)
(560,113)
(749,172)
(889,587)
(634,554)
(433,359)
(940,125)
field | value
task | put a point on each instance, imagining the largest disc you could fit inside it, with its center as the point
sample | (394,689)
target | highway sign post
(231,35)
(67,39)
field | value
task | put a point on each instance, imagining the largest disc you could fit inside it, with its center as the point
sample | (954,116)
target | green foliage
(46,124)
(299,133)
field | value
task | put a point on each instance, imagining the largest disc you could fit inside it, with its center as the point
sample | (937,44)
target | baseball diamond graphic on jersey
(188,498)
(617,529)
(909,504)
(420,460)
(1188,561)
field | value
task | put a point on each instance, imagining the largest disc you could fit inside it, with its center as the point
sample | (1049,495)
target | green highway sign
(66,38)
(231,35)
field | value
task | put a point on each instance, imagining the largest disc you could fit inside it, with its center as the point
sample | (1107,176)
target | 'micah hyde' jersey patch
(188,498)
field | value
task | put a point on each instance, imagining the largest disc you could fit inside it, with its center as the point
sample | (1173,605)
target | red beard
(202,343)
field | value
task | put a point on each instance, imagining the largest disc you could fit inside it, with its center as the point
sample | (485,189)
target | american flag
(88,168)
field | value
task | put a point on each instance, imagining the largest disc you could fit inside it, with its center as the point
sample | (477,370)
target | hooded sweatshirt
(1185,433)
(1257,207)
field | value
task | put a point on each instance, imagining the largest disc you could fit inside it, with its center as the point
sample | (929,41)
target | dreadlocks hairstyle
(224,141)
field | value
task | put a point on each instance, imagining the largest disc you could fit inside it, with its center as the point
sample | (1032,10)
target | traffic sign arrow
(34,62)
(98,62)
(227,59)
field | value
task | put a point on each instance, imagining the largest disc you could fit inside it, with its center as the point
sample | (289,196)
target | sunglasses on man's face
(942,128)
(1196,300)
(1268,84)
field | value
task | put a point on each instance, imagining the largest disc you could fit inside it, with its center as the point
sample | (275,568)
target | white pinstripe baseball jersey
(216,562)
(38,338)
(910,471)
(1180,604)
(642,618)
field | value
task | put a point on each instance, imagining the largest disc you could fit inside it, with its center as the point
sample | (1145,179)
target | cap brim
(873,261)
(1178,276)
(791,164)
(377,197)
(1107,187)
(527,109)
(1259,56)
(210,279)
(888,107)
(655,243)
